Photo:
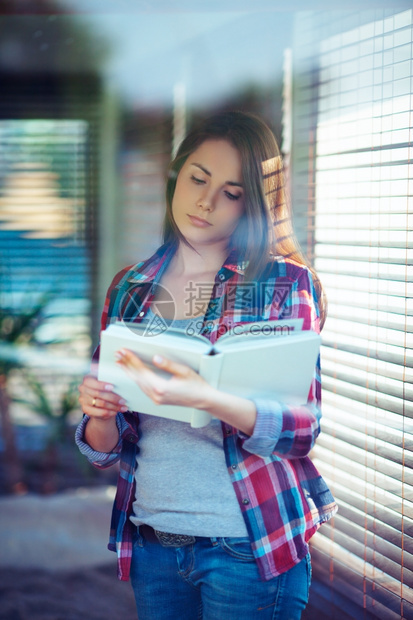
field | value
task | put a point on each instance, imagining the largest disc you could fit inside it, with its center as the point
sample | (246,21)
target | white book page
(171,338)
(249,335)
(282,372)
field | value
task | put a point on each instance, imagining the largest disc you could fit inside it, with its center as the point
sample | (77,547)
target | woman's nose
(206,201)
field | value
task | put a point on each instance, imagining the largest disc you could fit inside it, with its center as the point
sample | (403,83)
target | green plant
(41,404)
(16,327)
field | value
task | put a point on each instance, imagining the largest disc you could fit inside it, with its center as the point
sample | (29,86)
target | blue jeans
(213,579)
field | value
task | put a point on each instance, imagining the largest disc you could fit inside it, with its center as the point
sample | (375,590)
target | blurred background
(95,97)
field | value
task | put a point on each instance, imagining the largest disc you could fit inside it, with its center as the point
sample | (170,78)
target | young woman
(214,522)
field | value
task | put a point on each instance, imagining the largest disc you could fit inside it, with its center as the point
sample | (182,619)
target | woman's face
(209,197)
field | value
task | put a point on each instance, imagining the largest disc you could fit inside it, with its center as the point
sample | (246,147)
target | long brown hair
(265,228)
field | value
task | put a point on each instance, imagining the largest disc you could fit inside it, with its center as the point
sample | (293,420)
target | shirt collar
(152,269)
(233,264)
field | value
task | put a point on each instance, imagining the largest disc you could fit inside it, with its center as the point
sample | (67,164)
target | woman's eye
(197,180)
(232,196)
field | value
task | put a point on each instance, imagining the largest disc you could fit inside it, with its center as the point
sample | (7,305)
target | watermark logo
(161,315)
(203,311)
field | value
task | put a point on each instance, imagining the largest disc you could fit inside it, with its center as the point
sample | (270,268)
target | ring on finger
(94,402)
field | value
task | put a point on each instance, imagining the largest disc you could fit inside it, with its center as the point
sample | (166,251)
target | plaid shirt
(282,496)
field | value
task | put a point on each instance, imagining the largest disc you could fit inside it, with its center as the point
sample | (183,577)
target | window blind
(353,102)
(43,221)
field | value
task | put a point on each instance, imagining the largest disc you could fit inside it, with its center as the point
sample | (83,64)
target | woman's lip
(198,221)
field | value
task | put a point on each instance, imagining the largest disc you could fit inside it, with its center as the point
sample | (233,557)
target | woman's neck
(206,260)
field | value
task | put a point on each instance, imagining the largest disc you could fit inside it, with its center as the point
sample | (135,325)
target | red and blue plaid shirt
(282,496)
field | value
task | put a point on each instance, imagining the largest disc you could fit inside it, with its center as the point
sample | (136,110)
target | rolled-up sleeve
(289,432)
(100,459)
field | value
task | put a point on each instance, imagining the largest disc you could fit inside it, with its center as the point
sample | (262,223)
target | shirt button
(228,431)
(141,314)
(245,502)
(221,277)
(234,466)
(131,438)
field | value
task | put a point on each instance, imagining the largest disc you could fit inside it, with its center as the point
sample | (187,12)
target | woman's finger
(134,368)
(99,395)
(175,368)
(91,387)
(128,359)
(90,382)
(110,399)
(102,413)
(95,400)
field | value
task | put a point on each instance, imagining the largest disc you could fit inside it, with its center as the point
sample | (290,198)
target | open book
(266,359)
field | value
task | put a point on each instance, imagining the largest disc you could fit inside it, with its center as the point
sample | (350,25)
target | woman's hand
(98,400)
(187,388)
(184,387)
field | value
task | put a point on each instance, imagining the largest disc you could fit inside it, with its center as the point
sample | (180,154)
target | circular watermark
(161,313)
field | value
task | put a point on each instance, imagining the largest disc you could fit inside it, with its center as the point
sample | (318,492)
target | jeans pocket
(239,548)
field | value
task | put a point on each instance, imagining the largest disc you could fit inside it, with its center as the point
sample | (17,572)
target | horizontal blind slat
(372,334)
(366,412)
(370,505)
(365,300)
(364,284)
(377,527)
(352,539)
(398,320)
(367,268)
(371,445)
(376,382)
(373,428)
(330,357)
(376,350)
(358,254)
(348,241)
(391,403)
(369,466)
(371,600)
(388,239)
(338,331)
(357,566)
(379,488)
